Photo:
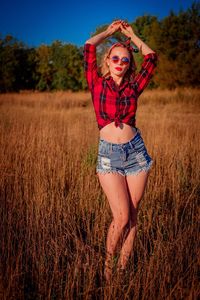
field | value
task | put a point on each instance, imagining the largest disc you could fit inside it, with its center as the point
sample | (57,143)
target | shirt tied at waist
(117,121)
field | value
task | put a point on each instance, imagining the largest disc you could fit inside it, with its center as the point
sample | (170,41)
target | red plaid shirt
(113,103)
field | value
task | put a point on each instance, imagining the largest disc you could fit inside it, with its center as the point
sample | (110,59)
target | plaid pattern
(113,103)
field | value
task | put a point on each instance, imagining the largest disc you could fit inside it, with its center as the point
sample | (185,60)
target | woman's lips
(118,68)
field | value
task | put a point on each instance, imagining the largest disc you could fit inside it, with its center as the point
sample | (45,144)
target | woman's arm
(90,63)
(112,28)
(145,74)
(127,30)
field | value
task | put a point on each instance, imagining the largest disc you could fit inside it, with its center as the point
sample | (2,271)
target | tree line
(59,66)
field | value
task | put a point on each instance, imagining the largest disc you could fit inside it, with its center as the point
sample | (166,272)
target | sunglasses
(125,60)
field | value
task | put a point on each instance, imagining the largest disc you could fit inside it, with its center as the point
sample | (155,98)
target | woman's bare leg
(136,186)
(115,187)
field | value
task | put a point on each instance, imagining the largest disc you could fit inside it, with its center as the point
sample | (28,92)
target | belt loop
(110,147)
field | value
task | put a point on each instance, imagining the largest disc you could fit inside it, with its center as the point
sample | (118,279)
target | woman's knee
(121,221)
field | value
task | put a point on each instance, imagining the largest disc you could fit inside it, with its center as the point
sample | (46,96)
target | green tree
(44,67)
(25,69)
(67,62)
(17,68)
(179,48)
(8,63)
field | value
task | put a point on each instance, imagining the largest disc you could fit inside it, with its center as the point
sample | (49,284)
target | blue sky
(44,21)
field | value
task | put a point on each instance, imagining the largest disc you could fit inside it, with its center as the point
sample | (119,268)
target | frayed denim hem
(145,169)
(109,172)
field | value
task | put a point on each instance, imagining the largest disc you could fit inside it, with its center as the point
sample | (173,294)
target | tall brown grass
(54,215)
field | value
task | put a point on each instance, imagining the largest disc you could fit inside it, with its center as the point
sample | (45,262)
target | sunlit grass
(54,215)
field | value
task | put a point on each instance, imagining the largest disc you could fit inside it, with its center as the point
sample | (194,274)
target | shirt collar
(111,83)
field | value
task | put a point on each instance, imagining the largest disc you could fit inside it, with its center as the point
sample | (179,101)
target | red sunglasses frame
(117,59)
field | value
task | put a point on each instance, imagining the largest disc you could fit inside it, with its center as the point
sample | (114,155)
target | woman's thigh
(115,187)
(136,186)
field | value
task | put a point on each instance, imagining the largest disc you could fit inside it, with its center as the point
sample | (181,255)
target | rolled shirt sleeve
(90,65)
(146,72)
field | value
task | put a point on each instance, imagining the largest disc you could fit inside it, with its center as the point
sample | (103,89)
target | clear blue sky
(44,21)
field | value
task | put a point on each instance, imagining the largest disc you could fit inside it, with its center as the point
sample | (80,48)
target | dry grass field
(54,215)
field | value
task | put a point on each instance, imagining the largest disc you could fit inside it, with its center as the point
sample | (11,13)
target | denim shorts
(126,159)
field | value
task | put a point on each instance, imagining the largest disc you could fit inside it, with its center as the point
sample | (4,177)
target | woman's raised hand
(114,27)
(126,29)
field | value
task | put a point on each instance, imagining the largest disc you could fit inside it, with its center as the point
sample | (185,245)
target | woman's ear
(107,61)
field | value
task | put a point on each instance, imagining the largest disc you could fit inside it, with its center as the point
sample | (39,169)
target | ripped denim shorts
(126,159)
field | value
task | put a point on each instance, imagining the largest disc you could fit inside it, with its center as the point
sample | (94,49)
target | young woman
(123,162)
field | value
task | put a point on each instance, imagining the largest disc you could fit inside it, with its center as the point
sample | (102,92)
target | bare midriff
(118,135)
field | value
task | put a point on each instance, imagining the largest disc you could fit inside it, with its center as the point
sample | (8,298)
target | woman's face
(118,61)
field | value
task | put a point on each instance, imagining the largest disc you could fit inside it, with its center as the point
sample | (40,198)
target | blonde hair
(104,68)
